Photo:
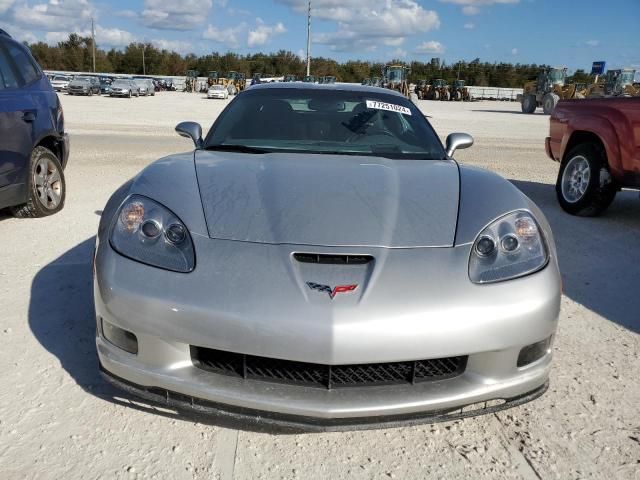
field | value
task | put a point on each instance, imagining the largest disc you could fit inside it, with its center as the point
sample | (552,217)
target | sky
(567,33)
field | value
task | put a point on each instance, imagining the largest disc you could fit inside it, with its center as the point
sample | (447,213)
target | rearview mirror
(191,130)
(458,140)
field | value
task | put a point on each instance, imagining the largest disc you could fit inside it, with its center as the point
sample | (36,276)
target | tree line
(76,55)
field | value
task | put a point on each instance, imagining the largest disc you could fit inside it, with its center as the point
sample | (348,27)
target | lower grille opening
(326,376)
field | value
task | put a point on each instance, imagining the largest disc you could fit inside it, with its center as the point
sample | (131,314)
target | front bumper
(273,317)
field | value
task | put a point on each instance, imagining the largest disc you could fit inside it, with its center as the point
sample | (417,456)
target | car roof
(346,87)
(2,32)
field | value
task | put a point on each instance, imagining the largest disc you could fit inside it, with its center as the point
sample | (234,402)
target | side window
(8,77)
(30,73)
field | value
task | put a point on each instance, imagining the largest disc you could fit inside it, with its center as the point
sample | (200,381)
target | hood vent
(333,259)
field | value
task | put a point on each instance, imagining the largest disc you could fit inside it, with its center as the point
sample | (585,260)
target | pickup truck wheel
(549,102)
(529,104)
(584,185)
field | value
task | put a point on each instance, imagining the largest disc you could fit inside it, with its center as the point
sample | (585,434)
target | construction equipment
(375,81)
(616,83)
(438,90)
(549,88)
(459,92)
(233,82)
(394,77)
(421,89)
(290,78)
(327,79)
(309,79)
(191,82)
(212,78)
(366,82)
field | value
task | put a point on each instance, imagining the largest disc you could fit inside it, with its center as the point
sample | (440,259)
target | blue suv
(34,147)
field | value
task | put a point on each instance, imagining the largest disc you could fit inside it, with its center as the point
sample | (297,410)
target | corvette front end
(325,291)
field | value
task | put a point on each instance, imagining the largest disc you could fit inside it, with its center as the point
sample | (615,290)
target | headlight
(147,232)
(511,247)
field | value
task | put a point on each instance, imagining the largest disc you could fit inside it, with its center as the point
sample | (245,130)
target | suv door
(17,114)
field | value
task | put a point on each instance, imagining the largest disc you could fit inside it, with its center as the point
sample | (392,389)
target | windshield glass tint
(120,84)
(326,121)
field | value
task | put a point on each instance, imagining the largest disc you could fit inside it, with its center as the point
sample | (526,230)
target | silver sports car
(320,261)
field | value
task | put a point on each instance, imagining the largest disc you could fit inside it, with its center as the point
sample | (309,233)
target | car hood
(330,200)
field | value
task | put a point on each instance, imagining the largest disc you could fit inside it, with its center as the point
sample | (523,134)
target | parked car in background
(60,83)
(34,147)
(597,143)
(84,85)
(124,88)
(218,91)
(145,86)
(105,85)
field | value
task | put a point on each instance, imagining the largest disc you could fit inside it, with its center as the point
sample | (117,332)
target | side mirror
(191,130)
(458,140)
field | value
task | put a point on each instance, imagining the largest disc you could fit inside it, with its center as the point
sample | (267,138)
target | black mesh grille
(326,376)
(333,259)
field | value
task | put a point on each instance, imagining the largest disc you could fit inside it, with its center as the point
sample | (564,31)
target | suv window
(8,78)
(30,73)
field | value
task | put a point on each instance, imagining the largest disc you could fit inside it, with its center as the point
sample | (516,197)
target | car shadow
(61,317)
(599,256)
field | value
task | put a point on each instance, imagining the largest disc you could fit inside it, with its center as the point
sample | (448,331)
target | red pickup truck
(597,142)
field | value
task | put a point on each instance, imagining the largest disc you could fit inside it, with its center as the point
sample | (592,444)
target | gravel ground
(59,420)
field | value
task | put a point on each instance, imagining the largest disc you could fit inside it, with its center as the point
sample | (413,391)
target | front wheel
(584,186)
(529,104)
(46,186)
(549,102)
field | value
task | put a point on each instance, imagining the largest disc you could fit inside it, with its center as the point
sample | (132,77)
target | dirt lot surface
(59,420)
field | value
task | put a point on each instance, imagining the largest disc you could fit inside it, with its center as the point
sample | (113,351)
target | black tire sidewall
(597,197)
(33,207)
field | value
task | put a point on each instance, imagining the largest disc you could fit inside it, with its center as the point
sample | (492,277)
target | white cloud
(56,14)
(514,51)
(472,7)
(364,24)
(173,45)
(226,36)
(105,37)
(126,14)
(393,42)
(168,15)
(593,43)
(469,25)
(5,5)
(263,33)
(399,53)
(430,47)
(20,34)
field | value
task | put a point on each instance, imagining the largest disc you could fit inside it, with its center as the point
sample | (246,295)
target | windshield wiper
(236,148)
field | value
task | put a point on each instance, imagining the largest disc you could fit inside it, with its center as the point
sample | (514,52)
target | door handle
(29,116)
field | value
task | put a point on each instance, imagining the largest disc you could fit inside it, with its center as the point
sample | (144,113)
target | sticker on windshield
(388,106)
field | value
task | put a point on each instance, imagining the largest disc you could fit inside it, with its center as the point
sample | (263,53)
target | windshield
(626,77)
(60,79)
(556,76)
(325,122)
(120,84)
(217,87)
(81,80)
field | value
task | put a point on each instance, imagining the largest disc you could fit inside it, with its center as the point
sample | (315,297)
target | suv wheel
(46,186)
(584,185)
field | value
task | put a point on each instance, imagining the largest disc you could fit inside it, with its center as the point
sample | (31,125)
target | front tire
(46,186)
(584,186)
(529,104)
(549,102)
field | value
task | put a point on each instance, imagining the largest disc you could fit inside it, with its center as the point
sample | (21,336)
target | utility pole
(93,44)
(144,67)
(309,40)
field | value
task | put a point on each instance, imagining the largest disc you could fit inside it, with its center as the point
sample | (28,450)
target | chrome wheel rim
(48,183)
(575,179)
